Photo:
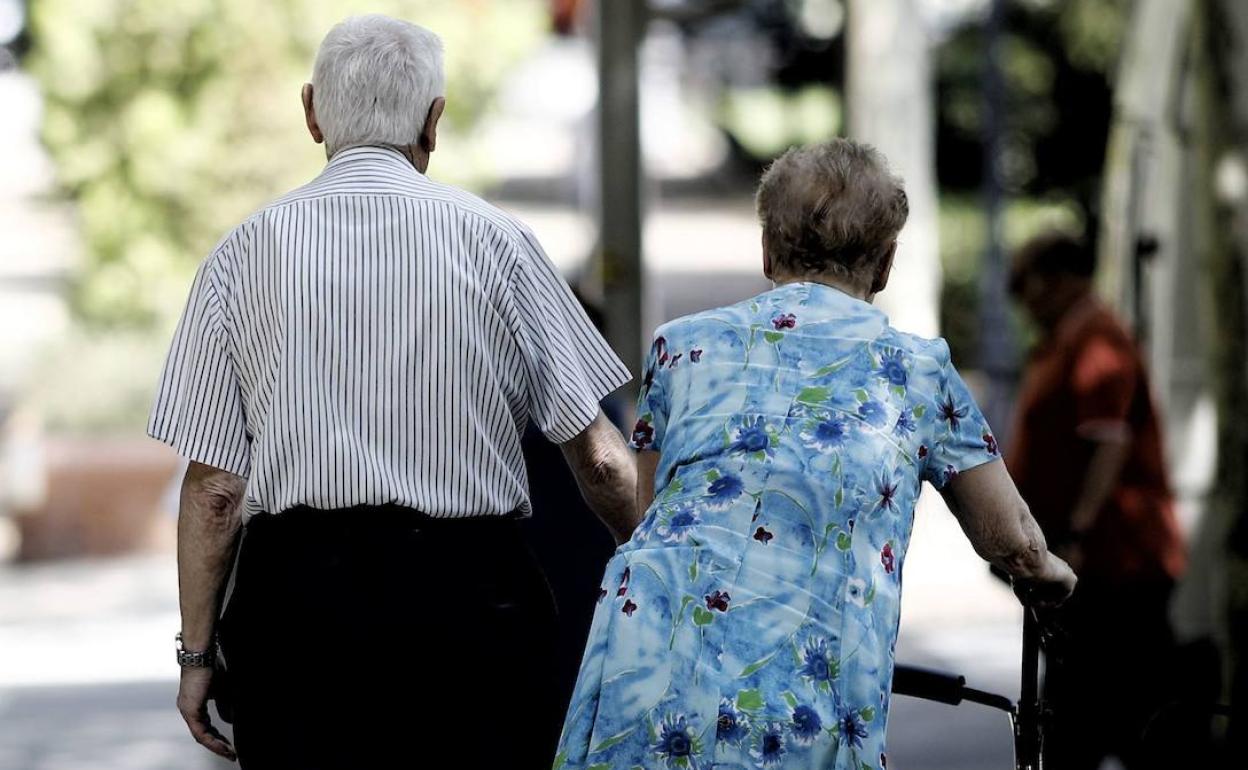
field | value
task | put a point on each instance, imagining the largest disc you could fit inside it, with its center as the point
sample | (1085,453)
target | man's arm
(606,475)
(1105,381)
(208,527)
(1112,448)
(647,464)
(1001,529)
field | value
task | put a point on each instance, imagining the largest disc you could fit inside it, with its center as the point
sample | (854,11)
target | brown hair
(832,207)
(1055,252)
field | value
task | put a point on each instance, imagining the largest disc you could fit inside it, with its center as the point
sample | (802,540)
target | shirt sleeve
(961,439)
(1103,380)
(570,367)
(652,406)
(199,406)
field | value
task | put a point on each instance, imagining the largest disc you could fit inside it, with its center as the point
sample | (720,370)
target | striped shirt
(376,337)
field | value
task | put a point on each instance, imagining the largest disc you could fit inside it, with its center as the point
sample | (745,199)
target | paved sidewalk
(87,679)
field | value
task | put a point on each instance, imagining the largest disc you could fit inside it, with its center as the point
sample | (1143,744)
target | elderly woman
(750,621)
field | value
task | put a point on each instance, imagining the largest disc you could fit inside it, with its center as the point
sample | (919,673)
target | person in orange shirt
(1087,456)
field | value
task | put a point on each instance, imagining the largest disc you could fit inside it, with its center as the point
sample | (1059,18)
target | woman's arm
(1000,527)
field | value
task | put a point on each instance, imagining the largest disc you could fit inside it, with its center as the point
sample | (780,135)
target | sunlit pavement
(87,678)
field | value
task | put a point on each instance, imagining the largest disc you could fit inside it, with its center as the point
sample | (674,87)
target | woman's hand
(1053,585)
(1000,527)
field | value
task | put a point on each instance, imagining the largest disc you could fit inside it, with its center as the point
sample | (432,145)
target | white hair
(374,81)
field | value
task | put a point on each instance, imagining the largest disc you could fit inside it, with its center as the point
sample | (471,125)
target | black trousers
(1110,677)
(379,638)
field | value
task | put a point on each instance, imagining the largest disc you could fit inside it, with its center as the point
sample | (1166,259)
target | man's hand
(193,705)
(208,526)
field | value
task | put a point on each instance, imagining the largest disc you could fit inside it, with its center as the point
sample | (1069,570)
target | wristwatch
(202,659)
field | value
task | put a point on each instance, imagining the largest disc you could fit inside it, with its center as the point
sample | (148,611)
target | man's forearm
(613,498)
(606,473)
(1104,469)
(208,527)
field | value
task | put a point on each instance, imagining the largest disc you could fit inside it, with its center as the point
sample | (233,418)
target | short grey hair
(374,81)
(831,208)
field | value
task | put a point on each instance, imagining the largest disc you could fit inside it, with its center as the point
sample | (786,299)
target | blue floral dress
(750,621)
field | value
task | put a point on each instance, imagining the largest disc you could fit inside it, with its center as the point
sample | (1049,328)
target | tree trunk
(1222,115)
(620,27)
(889,95)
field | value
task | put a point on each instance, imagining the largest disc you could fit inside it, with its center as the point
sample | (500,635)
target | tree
(1221,95)
(169,122)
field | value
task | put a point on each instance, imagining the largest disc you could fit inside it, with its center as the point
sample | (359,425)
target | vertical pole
(620,26)
(996,345)
(1027,728)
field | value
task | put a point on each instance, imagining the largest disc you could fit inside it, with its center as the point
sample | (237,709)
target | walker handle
(928,684)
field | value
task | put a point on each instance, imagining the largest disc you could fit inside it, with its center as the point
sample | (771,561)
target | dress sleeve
(199,406)
(652,406)
(961,438)
(569,366)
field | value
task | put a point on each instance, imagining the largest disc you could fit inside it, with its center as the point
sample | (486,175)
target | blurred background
(629,135)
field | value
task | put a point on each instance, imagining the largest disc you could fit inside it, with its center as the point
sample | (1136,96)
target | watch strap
(196,658)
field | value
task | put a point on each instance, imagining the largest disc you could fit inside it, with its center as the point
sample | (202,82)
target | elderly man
(1087,454)
(349,381)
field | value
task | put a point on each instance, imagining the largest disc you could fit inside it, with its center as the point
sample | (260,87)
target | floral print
(887,559)
(893,367)
(752,436)
(874,414)
(732,726)
(643,433)
(853,729)
(825,435)
(755,608)
(805,725)
(677,744)
(784,321)
(769,747)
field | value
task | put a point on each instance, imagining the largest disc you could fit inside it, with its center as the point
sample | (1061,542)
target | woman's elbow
(1023,551)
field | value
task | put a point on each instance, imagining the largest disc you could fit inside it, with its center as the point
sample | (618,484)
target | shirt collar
(373,155)
(1079,316)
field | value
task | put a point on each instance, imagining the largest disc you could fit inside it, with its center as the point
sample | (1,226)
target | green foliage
(1093,31)
(171,120)
(1057,60)
(963,240)
(768,120)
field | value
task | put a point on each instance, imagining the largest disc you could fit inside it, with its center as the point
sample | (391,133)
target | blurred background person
(1087,455)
